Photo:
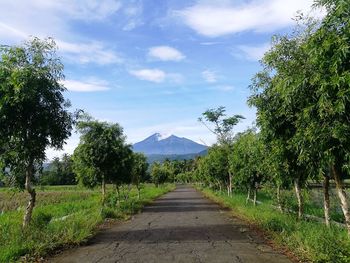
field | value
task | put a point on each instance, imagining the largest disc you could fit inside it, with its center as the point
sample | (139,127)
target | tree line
(34,115)
(302,97)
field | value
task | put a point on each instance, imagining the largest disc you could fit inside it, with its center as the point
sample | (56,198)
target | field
(309,240)
(64,216)
(313,201)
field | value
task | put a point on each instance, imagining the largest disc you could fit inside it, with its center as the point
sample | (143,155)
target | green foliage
(247,160)
(310,241)
(102,155)
(60,172)
(139,172)
(160,173)
(213,169)
(223,125)
(33,110)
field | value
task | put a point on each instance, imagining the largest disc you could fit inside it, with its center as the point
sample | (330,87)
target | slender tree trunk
(279,205)
(248,196)
(28,186)
(342,196)
(103,190)
(326,200)
(138,192)
(255,193)
(230,184)
(299,198)
(118,194)
(128,192)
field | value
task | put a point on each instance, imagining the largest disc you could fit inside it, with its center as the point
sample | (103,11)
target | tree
(223,126)
(60,172)
(247,162)
(100,154)
(325,119)
(159,173)
(139,170)
(223,129)
(280,91)
(33,110)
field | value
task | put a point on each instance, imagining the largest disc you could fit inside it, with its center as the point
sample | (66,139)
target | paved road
(181,226)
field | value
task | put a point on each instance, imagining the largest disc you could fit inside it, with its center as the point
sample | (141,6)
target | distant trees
(160,173)
(33,110)
(59,172)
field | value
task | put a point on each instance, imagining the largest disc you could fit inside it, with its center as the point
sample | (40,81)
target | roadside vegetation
(36,217)
(64,217)
(288,175)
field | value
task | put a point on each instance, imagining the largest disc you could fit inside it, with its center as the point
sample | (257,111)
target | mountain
(172,145)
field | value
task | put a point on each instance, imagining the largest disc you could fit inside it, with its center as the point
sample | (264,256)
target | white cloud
(165,53)
(90,85)
(209,76)
(215,20)
(154,75)
(44,18)
(253,53)
(85,53)
(133,13)
(224,88)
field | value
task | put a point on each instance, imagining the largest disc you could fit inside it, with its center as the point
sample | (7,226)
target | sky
(154,65)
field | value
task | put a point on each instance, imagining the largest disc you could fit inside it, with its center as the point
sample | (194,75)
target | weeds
(310,241)
(66,221)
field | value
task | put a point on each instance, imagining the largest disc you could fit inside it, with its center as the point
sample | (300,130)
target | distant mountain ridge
(172,145)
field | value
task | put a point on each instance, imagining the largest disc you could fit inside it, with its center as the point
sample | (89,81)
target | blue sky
(154,65)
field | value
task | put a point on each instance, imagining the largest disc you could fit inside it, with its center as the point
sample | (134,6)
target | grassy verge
(63,217)
(309,241)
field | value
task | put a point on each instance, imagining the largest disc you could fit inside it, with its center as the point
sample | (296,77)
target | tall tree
(139,170)
(33,110)
(325,120)
(222,126)
(100,153)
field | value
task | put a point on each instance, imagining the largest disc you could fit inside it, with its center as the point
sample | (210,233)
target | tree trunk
(230,184)
(138,192)
(342,196)
(279,205)
(103,190)
(28,186)
(128,192)
(299,198)
(255,193)
(326,200)
(118,195)
(248,196)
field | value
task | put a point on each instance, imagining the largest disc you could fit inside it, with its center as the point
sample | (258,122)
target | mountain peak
(167,144)
(159,136)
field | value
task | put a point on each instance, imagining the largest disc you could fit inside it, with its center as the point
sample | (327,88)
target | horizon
(155,66)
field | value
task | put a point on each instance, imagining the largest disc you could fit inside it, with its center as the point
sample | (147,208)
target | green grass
(308,240)
(64,216)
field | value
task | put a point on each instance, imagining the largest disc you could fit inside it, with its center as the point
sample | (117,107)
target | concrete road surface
(181,226)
